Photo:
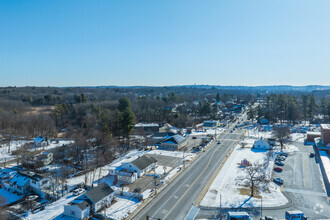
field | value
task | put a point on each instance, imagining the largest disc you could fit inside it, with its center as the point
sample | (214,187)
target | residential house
(141,165)
(25,181)
(262,144)
(41,141)
(123,176)
(90,202)
(174,143)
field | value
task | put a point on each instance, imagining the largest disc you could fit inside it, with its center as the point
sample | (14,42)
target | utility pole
(220,212)
(261,209)
(155,182)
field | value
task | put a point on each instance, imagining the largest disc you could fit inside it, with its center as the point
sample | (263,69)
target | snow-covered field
(52,210)
(298,137)
(227,183)
(7,149)
(122,208)
(254,133)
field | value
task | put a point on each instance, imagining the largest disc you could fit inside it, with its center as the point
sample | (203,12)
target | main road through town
(175,201)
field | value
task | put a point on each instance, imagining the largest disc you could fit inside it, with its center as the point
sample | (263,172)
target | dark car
(218,142)
(100,216)
(278,169)
(137,190)
(284,154)
(194,137)
(279,163)
(311,155)
(280,158)
(278,181)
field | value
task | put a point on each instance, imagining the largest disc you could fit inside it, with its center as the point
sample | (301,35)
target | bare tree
(282,133)
(254,175)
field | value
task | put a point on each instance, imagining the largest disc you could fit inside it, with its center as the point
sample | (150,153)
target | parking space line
(306,172)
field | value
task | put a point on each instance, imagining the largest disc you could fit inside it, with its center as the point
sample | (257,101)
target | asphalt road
(175,201)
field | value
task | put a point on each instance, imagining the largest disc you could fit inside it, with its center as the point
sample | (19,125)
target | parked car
(280,158)
(278,169)
(311,155)
(219,142)
(137,190)
(78,191)
(284,154)
(100,216)
(278,181)
(231,131)
(194,137)
(279,163)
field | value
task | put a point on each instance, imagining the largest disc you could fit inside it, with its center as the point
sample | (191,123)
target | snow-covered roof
(146,125)
(176,139)
(20,180)
(325,126)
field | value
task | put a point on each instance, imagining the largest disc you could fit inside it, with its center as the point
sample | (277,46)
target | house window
(73,213)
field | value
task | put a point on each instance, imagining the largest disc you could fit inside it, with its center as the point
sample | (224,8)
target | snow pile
(289,148)
(122,207)
(172,173)
(298,137)
(7,197)
(228,186)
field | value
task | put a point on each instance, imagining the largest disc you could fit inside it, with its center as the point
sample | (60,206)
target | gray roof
(99,192)
(143,162)
(177,139)
(31,175)
(82,205)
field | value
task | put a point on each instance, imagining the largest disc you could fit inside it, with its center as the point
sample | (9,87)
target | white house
(41,141)
(141,165)
(26,181)
(90,202)
(123,176)
(262,145)
(174,142)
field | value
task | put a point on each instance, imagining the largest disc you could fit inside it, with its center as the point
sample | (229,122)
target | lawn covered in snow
(232,193)
(52,210)
(122,207)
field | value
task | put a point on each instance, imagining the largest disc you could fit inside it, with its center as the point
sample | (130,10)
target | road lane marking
(306,192)
(306,172)
(192,173)
(206,167)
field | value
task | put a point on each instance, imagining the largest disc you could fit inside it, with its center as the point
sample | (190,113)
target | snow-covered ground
(208,131)
(7,149)
(289,148)
(179,154)
(298,137)
(227,183)
(7,197)
(122,207)
(52,210)
(254,133)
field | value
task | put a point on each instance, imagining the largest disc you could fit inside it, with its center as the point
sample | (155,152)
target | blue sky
(172,42)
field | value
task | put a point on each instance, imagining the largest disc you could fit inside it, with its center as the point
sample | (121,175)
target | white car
(78,191)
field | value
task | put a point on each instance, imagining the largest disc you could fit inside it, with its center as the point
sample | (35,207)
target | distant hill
(275,88)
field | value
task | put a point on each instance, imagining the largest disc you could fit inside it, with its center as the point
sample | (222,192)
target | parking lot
(303,183)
